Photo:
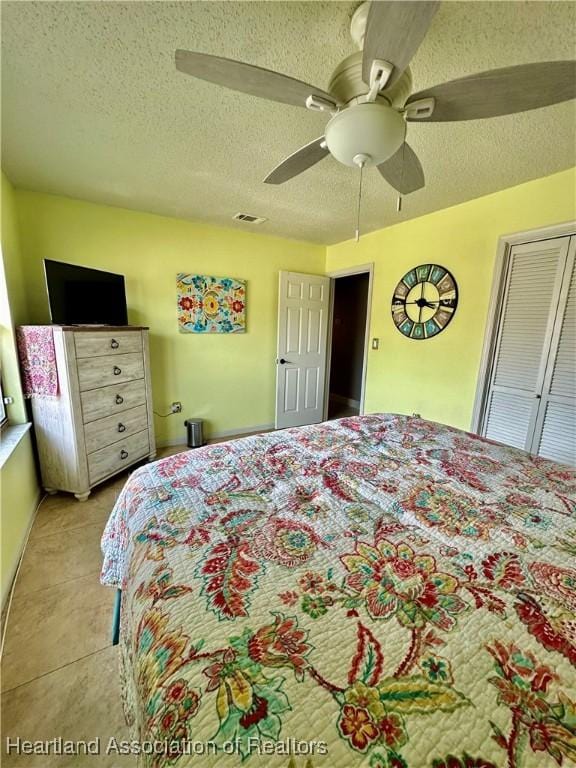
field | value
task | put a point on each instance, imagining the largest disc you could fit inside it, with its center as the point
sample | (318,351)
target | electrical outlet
(176,407)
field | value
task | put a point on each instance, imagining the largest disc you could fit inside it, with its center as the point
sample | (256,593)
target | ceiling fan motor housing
(372,130)
(346,83)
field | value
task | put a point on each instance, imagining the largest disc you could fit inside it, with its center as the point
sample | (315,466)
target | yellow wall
(437,377)
(18,483)
(13,309)
(19,495)
(229,380)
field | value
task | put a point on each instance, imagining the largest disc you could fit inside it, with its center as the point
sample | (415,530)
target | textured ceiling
(93,108)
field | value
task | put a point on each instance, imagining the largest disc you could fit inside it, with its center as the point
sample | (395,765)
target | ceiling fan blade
(394,31)
(247,78)
(403,170)
(298,161)
(501,91)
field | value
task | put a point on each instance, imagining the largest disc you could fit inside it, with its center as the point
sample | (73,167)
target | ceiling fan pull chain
(399,200)
(360,164)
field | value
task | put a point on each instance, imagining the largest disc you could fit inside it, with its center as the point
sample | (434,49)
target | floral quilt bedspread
(379,591)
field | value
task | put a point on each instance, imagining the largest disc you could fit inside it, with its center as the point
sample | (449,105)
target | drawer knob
(119,399)
(117,371)
(123,454)
(121,427)
(114,344)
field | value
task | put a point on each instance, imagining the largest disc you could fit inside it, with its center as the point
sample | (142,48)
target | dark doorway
(348,345)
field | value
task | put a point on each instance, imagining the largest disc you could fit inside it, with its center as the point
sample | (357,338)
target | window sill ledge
(11,437)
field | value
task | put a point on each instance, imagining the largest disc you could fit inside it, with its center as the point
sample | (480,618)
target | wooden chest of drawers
(102,421)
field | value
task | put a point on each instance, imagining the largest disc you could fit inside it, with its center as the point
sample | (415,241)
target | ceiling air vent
(248,218)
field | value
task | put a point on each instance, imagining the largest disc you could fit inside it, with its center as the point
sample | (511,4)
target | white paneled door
(303,308)
(532,393)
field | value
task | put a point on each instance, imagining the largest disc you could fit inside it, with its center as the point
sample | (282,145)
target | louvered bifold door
(532,289)
(555,432)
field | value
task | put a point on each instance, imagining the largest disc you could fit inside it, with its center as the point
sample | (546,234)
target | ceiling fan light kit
(373,130)
(370,97)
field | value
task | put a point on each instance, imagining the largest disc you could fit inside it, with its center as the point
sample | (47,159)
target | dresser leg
(82,496)
(51,491)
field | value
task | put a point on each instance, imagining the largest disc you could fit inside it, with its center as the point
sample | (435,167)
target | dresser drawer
(115,457)
(97,403)
(99,434)
(95,372)
(99,343)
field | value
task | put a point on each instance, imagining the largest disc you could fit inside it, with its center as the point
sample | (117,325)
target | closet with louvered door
(555,432)
(531,396)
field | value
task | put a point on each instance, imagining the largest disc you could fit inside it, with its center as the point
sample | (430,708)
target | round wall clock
(424,301)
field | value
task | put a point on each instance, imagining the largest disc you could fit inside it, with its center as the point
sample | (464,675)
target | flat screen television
(82,296)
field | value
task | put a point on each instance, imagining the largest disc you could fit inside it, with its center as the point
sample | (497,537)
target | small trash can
(194,437)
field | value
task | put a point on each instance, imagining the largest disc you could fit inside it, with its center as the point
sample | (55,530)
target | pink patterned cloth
(37,360)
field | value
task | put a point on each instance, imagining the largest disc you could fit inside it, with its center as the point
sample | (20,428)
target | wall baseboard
(217,435)
(8,587)
(345,400)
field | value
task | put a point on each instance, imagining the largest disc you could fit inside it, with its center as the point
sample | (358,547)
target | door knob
(283,362)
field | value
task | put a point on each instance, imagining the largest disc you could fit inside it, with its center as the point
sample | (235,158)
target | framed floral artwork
(211,304)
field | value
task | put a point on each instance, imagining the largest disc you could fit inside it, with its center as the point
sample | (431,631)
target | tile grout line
(58,584)
(56,669)
(19,593)
(66,530)
(35,537)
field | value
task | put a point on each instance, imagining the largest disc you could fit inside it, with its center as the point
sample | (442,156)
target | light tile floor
(59,669)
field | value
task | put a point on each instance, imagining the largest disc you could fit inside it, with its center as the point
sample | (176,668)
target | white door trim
(505,244)
(360,269)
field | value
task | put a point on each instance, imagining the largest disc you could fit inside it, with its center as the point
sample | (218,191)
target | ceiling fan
(370,99)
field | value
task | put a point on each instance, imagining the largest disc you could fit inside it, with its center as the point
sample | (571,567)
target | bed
(378,591)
